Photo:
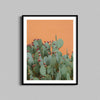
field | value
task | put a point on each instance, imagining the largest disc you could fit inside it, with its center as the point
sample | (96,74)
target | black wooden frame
(76,50)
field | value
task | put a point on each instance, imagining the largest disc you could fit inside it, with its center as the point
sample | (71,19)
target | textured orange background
(47,29)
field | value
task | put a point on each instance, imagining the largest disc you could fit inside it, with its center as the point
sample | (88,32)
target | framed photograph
(50,50)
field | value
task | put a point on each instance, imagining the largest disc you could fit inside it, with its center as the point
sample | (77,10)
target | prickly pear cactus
(46,62)
(43,71)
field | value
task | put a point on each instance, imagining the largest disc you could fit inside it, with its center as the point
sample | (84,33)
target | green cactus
(48,60)
(58,76)
(72,57)
(43,71)
(60,43)
(49,69)
(40,43)
(44,63)
(56,37)
(30,59)
(53,60)
(35,78)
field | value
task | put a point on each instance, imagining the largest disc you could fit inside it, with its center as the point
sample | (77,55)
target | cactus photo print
(50,50)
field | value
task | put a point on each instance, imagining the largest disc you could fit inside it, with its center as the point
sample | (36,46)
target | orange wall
(47,29)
